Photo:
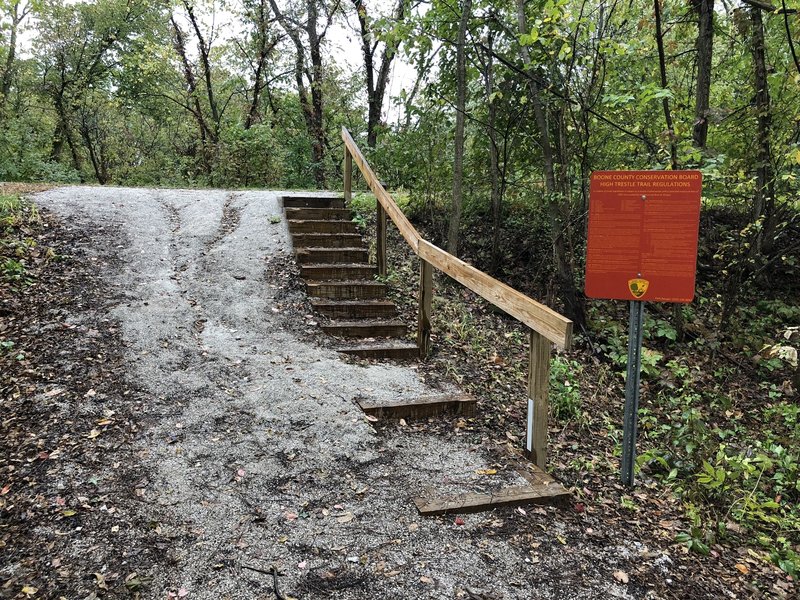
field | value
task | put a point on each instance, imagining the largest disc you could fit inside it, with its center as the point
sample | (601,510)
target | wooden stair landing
(334,264)
(540,488)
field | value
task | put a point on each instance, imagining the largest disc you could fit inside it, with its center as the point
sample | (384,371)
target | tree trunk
(461,101)
(196,109)
(494,157)
(574,305)
(705,48)
(204,50)
(662,67)
(318,132)
(376,89)
(764,198)
(265,47)
(8,72)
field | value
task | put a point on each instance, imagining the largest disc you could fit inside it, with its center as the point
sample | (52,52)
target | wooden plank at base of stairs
(473,502)
(366,329)
(351,309)
(391,351)
(312,202)
(421,408)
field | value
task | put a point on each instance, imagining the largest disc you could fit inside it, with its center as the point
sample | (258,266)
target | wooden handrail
(405,227)
(540,318)
(545,324)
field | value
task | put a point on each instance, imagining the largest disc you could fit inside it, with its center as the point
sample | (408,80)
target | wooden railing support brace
(538,386)
(348,176)
(380,241)
(425,302)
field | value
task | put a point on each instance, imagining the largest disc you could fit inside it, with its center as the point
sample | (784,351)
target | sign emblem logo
(638,287)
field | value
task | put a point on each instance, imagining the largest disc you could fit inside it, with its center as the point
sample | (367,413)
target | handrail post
(348,175)
(425,302)
(538,388)
(380,241)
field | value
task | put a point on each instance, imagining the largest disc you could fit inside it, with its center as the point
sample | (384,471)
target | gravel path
(253,451)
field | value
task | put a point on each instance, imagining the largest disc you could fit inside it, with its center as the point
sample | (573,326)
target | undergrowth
(719,419)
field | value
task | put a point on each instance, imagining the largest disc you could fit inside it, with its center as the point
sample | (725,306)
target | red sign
(642,242)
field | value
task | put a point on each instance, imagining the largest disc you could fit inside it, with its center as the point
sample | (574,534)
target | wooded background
(509,107)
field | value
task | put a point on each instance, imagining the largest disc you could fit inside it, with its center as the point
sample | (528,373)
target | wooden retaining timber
(333,271)
(420,408)
(332,226)
(327,240)
(354,309)
(318,214)
(471,502)
(312,202)
(329,256)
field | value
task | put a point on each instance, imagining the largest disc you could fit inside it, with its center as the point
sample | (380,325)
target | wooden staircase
(334,264)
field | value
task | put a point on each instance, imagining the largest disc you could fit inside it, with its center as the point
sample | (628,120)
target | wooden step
(365,329)
(346,290)
(326,240)
(322,227)
(478,502)
(319,214)
(332,272)
(312,202)
(354,309)
(383,349)
(420,408)
(331,255)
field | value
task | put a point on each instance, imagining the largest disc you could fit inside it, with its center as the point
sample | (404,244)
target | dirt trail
(250,450)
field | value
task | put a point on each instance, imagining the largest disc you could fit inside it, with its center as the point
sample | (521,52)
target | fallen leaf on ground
(486,471)
(290,516)
(101,581)
(742,568)
(370,418)
(427,580)
(345,518)
(459,521)
(621,576)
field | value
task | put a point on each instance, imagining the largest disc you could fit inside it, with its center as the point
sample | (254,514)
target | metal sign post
(631,418)
(642,247)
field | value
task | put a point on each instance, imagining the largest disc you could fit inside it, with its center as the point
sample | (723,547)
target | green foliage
(565,395)
(16,217)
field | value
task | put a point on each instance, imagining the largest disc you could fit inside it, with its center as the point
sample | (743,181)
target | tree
(557,186)
(461,101)
(370,40)
(16,10)
(705,50)
(301,23)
